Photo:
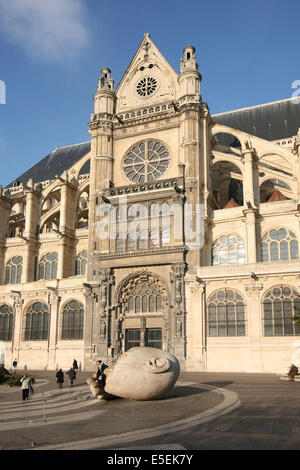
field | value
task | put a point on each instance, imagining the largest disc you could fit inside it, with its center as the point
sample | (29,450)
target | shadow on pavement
(219,384)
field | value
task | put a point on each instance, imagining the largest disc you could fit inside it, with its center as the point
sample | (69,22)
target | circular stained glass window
(146,161)
(146,87)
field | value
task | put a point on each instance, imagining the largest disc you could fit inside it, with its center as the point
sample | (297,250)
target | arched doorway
(144,312)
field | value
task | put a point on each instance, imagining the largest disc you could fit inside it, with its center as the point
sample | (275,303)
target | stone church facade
(227,305)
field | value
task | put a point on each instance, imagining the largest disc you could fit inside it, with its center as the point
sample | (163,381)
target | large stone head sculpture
(142,373)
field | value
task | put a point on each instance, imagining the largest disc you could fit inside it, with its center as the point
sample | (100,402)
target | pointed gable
(277,196)
(231,203)
(149,79)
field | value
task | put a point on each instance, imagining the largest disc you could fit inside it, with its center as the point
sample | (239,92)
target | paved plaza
(203,411)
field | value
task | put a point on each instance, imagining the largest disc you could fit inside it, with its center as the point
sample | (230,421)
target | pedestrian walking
(72,376)
(14,367)
(25,387)
(75,365)
(60,378)
(292,372)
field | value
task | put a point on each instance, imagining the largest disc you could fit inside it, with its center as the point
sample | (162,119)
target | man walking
(26,384)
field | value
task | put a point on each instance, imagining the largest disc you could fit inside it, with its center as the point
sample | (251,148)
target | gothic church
(228,305)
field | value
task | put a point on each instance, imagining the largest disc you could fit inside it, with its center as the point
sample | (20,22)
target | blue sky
(51,53)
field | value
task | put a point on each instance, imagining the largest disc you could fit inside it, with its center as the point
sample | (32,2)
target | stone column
(250,180)
(33,212)
(67,228)
(254,314)
(17,339)
(251,230)
(54,303)
(106,278)
(195,324)
(90,347)
(179,310)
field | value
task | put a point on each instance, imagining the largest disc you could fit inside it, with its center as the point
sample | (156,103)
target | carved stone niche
(177,281)
(106,281)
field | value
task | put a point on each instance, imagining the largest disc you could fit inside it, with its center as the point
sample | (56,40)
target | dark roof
(270,121)
(55,163)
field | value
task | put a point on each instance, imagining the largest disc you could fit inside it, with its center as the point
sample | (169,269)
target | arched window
(119,243)
(145,298)
(165,236)
(6,323)
(142,240)
(81,263)
(280,304)
(48,266)
(130,243)
(72,320)
(228,249)
(236,192)
(279,245)
(13,270)
(37,322)
(226,314)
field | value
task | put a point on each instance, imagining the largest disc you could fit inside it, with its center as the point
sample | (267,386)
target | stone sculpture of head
(142,373)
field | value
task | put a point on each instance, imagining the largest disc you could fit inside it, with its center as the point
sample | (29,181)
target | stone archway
(144,313)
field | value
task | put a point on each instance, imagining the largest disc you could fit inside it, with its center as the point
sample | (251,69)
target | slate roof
(55,163)
(269,121)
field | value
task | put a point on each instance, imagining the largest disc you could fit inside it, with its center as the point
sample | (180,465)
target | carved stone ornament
(177,280)
(254,287)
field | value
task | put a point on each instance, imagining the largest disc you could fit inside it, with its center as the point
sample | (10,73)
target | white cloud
(46,29)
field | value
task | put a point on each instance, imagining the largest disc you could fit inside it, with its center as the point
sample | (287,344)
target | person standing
(26,384)
(15,363)
(75,365)
(60,378)
(72,376)
(100,372)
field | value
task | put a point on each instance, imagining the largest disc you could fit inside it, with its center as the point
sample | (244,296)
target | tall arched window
(72,320)
(280,304)
(226,314)
(228,249)
(6,323)
(48,266)
(13,270)
(279,245)
(37,321)
(81,263)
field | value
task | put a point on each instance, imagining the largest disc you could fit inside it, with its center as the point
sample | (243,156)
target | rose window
(146,87)
(146,161)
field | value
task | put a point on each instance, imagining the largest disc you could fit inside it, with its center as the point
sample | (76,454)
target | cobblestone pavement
(204,411)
